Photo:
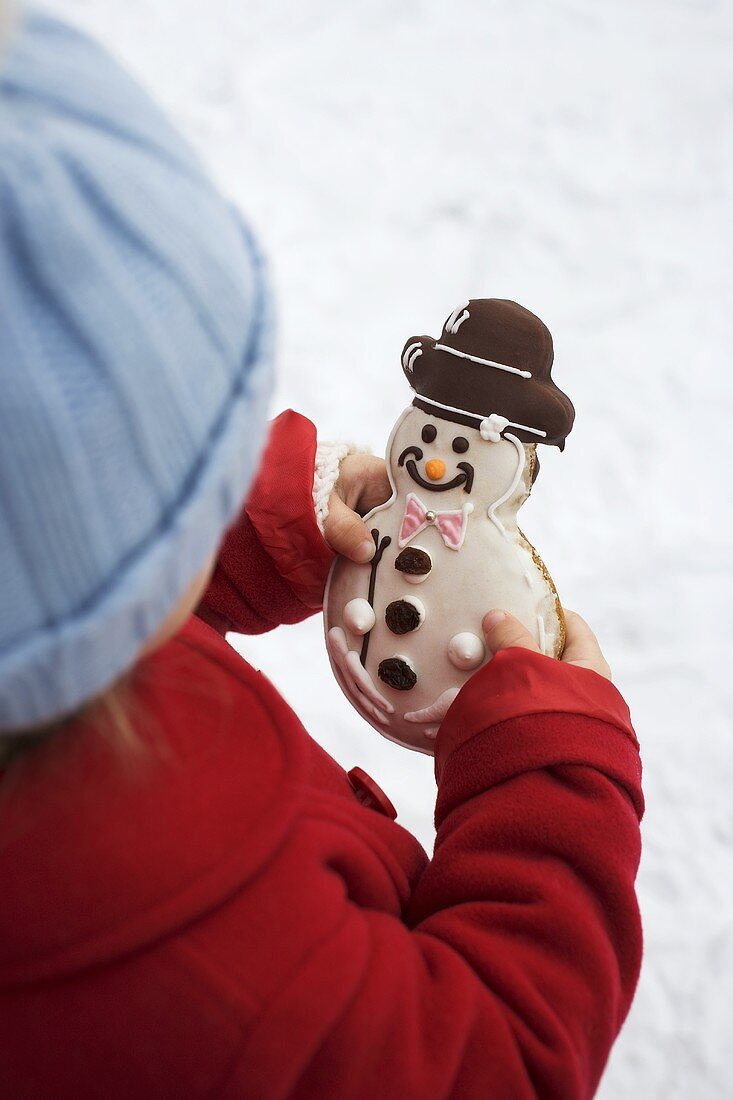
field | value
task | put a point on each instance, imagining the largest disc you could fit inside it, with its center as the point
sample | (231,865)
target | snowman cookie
(404,631)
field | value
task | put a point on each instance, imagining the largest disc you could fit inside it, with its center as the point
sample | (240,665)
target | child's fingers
(503,631)
(363,482)
(376,488)
(581,646)
(346,532)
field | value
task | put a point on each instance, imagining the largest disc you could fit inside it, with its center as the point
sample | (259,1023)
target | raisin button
(413,562)
(396,673)
(403,616)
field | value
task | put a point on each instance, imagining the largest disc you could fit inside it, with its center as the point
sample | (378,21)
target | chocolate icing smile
(465,478)
(416,451)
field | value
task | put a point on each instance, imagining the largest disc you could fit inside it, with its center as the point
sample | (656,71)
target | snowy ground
(575,155)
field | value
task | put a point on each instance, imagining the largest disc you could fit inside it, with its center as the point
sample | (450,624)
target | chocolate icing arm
(381,547)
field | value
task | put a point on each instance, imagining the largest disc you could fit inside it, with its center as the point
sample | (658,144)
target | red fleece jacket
(221,914)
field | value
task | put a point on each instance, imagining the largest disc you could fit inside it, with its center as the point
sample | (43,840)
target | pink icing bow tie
(452,524)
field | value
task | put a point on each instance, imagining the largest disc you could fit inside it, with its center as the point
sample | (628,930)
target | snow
(575,156)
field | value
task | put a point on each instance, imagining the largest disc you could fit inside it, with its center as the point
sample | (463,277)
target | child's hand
(362,484)
(581,646)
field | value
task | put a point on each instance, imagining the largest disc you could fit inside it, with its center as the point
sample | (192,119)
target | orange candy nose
(435,468)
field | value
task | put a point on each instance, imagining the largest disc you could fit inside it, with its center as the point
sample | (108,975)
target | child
(197,900)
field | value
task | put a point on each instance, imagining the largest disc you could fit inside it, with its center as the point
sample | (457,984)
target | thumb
(346,533)
(503,631)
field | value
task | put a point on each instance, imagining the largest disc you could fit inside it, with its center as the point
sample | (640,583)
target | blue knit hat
(135,352)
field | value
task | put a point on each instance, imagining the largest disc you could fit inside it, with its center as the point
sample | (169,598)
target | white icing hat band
(483,362)
(490,426)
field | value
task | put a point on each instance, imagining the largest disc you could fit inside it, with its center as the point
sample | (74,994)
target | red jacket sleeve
(273,562)
(513,965)
(533,874)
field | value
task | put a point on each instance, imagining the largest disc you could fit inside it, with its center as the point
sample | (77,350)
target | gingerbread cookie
(461,462)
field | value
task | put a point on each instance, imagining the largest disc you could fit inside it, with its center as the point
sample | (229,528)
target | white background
(398,158)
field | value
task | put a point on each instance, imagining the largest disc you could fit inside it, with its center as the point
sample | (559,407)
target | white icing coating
(359,616)
(454,322)
(365,683)
(466,650)
(541,631)
(515,481)
(492,426)
(480,419)
(483,362)
(436,712)
(525,428)
(492,570)
(410,355)
(360,684)
(412,359)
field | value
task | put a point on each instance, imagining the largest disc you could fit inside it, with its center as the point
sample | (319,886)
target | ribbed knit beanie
(135,352)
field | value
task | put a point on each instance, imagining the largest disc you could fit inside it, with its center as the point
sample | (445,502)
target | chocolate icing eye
(429,433)
(460,445)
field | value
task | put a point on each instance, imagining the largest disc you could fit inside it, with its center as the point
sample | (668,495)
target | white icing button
(466,650)
(359,616)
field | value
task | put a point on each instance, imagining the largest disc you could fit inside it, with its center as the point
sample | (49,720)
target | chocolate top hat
(490,369)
